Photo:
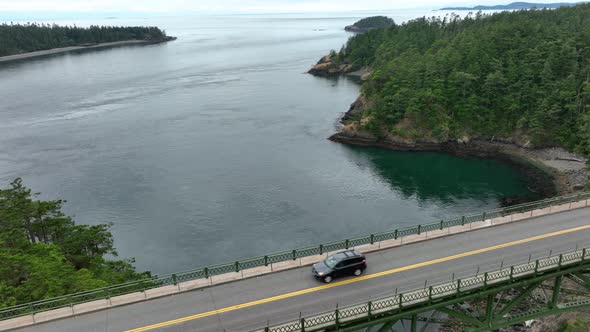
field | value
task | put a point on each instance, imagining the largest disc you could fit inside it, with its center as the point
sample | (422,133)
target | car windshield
(331,261)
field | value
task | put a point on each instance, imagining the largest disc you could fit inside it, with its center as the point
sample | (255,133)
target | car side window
(339,265)
(348,262)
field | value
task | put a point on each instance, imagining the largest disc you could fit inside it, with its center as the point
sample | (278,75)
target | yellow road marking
(357,279)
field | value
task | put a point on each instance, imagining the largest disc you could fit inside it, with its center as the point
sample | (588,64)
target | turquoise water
(214,147)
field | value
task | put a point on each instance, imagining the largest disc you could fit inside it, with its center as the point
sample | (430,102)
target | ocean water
(214,147)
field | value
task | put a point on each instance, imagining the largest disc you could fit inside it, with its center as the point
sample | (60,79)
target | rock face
(355,29)
(551,171)
(327,68)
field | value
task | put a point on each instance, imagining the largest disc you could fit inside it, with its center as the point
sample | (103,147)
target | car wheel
(358,272)
(327,279)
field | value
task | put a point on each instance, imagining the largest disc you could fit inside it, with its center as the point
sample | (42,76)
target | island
(370,23)
(512,85)
(516,6)
(18,41)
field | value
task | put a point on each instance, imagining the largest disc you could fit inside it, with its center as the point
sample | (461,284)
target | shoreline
(548,172)
(30,55)
(566,174)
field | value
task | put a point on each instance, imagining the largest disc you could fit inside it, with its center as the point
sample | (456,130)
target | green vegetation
(522,76)
(45,254)
(17,38)
(578,325)
(374,22)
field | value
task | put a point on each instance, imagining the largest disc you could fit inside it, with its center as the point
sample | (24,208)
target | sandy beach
(24,56)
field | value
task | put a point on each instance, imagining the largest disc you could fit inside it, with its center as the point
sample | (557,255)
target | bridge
(511,264)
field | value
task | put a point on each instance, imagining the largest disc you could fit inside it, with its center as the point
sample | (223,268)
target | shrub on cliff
(578,325)
(45,254)
(523,73)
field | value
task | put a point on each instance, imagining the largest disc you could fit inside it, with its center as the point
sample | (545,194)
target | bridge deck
(281,296)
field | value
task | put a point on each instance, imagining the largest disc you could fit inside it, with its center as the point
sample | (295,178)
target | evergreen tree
(513,74)
(18,38)
(45,254)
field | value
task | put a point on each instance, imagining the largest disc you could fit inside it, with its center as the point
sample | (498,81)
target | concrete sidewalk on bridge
(186,286)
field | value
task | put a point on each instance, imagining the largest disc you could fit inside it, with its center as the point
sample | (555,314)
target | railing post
(463,221)
(372,239)
(441,224)
(512,273)
(207,273)
(485,279)
(369,309)
(395,235)
(401,298)
(237,266)
(458,286)
(174,279)
(536,267)
(302,324)
(337,312)
(346,243)
(430,294)
(483,217)
(419,228)
(265,260)
(583,254)
(321,249)
(294,254)
(560,260)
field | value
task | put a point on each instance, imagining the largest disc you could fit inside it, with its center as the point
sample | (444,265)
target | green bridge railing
(426,296)
(206,272)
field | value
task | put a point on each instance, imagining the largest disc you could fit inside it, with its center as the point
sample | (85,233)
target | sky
(227,6)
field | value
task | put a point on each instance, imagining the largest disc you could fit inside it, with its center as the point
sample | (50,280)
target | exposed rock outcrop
(551,170)
(355,29)
(326,67)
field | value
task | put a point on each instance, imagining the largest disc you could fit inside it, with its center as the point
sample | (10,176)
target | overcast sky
(246,6)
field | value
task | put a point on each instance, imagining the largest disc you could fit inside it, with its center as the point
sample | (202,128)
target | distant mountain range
(517,5)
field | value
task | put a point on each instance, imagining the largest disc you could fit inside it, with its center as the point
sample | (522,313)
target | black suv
(343,263)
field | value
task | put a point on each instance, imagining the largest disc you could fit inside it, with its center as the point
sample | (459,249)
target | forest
(374,22)
(18,38)
(522,76)
(45,254)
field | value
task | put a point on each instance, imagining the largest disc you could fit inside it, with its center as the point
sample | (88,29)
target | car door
(340,269)
(348,267)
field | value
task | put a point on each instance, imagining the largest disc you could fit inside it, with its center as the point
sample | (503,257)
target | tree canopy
(45,254)
(522,75)
(18,38)
(374,22)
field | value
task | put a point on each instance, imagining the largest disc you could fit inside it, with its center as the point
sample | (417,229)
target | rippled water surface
(213,147)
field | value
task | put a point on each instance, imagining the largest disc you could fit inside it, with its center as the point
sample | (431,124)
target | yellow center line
(357,279)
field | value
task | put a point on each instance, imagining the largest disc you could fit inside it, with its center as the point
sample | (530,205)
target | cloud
(207,6)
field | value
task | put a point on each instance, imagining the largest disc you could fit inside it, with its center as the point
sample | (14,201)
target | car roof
(347,254)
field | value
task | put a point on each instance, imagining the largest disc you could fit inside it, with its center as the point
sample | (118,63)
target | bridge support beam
(582,279)
(388,327)
(518,299)
(414,323)
(460,316)
(556,291)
